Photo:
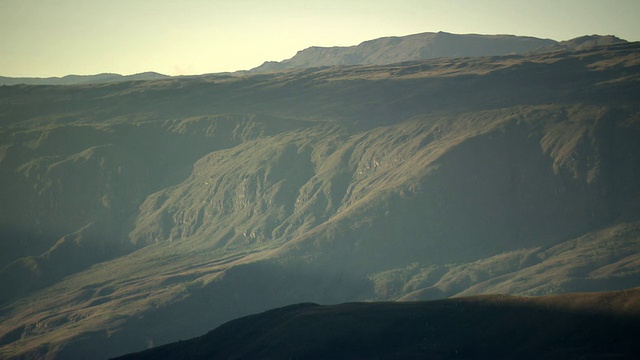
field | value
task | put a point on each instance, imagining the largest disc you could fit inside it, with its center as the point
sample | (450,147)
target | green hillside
(139,213)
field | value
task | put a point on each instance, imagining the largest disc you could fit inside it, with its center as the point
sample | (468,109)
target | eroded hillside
(139,213)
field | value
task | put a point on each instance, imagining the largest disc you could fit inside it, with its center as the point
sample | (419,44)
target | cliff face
(138,213)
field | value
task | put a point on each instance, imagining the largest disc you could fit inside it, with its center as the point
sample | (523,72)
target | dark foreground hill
(573,326)
(134,214)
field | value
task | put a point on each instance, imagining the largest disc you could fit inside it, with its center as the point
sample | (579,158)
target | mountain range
(382,51)
(396,49)
(80,79)
(138,213)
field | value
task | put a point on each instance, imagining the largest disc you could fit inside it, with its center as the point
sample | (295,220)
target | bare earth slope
(136,214)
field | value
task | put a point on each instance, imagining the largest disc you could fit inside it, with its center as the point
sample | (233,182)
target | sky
(44,38)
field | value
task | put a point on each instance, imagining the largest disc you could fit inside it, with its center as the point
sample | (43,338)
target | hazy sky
(58,37)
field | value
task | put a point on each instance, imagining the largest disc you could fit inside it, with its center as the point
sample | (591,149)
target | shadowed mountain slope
(574,326)
(139,213)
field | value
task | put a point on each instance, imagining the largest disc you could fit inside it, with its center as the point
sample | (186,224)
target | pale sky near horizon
(42,38)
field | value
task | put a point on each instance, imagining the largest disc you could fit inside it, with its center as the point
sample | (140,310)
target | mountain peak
(593,40)
(582,43)
(395,49)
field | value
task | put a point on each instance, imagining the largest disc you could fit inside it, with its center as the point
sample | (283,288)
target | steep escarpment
(428,208)
(60,181)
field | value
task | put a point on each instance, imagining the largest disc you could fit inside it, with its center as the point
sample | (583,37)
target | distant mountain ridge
(81,79)
(428,45)
(380,51)
(582,43)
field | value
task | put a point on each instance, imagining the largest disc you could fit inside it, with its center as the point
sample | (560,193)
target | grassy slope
(418,180)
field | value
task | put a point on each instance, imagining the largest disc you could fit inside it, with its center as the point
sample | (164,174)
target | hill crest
(428,45)
(496,326)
